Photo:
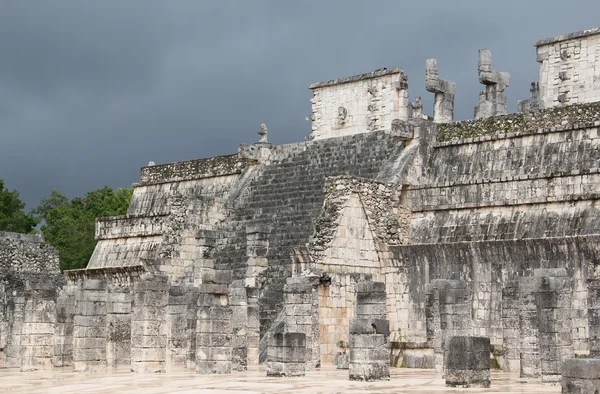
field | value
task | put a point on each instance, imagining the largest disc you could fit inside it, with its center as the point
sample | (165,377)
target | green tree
(69,224)
(12,216)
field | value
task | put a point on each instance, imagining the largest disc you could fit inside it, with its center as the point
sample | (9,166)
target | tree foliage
(12,216)
(69,224)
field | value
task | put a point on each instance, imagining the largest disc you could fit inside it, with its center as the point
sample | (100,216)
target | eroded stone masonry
(485,230)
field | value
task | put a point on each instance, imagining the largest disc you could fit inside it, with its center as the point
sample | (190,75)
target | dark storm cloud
(92,90)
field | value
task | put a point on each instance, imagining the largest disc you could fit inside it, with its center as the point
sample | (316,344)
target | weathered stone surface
(287,354)
(581,376)
(443,107)
(467,361)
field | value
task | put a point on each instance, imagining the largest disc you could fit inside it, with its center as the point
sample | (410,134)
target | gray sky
(90,91)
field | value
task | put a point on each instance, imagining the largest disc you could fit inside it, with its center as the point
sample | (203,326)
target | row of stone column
(147,327)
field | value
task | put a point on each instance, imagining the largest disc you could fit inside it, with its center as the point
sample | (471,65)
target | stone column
(453,299)
(63,332)
(545,323)
(467,362)
(118,326)
(300,315)
(37,335)
(15,317)
(554,303)
(239,322)
(253,325)
(286,354)
(510,327)
(179,337)
(89,327)
(433,325)
(370,334)
(581,376)
(148,324)
(214,330)
(594,317)
(443,107)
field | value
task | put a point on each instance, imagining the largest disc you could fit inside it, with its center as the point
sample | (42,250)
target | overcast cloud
(90,91)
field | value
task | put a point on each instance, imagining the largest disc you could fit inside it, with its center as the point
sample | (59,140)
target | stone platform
(324,380)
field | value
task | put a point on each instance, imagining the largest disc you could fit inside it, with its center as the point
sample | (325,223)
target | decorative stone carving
(342,115)
(416,108)
(443,107)
(263,134)
(492,101)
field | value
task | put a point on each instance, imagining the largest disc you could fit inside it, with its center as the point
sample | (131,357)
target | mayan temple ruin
(388,238)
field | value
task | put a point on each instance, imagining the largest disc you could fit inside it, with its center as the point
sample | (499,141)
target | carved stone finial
(443,107)
(492,101)
(416,108)
(263,134)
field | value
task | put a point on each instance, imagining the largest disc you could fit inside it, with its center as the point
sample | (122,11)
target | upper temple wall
(358,104)
(569,68)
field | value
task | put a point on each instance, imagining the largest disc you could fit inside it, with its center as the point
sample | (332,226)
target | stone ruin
(388,236)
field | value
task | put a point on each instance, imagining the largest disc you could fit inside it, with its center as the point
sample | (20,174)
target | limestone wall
(359,104)
(569,72)
(510,185)
(161,224)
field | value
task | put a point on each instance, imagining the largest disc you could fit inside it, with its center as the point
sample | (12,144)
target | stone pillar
(63,332)
(467,362)
(581,376)
(300,316)
(529,330)
(177,326)
(594,317)
(15,317)
(369,349)
(433,325)
(148,324)
(257,247)
(89,329)
(253,325)
(545,323)
(239,322)
(453,299)
(214,330)
(192,322)
(118,326)
(286,354)
(554,303)
(443,107)
(37,335)
(511,334)
(370,334)
(492,101)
